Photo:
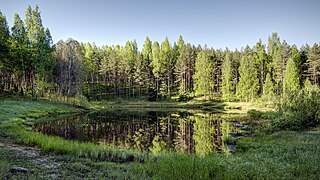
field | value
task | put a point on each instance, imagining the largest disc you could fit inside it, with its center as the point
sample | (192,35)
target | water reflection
(152,131)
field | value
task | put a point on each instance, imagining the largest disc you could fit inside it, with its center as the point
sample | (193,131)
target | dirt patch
(32,154)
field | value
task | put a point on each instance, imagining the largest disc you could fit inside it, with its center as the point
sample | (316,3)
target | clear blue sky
(219,24)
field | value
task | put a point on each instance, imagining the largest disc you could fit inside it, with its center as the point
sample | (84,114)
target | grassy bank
(287,155)
(17,115)
(81,159)
(283,154)
(196,104)
(54,166)
(27,109)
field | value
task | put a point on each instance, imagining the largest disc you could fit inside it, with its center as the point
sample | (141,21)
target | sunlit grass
(28,109)
(59,145)
(286,155)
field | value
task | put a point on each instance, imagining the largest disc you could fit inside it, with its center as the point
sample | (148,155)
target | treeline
(31,64)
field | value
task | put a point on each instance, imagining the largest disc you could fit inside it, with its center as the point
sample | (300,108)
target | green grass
(286,155)
(16,115)
(59,145)
(28,109)
(195,105)
(283,154)
(68,167)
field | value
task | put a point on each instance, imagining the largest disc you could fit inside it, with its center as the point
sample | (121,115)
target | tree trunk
(34,84)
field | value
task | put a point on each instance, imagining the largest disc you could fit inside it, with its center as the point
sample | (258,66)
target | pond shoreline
(283,154)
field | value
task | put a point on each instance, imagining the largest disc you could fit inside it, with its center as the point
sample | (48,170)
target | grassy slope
(16,115)
(287,155)
(12,109)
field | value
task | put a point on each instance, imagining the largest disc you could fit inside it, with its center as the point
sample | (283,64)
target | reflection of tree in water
(203,135)
(184,141)
(153,131)
(157,144)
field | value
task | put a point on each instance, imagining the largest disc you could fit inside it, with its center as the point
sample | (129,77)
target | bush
(298,111)
(254,114)
(184,97)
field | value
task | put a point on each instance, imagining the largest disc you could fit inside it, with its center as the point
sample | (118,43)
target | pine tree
(40,45)
(227,79)
(4,50)
(19,50)
(167,66)
(203,83)
(184,69)
(313,63)
(279,63)
(307,85)
(268,88)
(248,85)
(146,65)
(291,78)
(156,66)
(261,62)
(4,37)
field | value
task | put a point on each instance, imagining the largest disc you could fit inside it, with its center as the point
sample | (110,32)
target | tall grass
(62,146)
(4,161)
(284,155)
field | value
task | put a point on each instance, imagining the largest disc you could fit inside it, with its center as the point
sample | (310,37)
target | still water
(147,131)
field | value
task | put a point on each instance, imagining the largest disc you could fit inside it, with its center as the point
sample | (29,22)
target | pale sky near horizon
(218,24)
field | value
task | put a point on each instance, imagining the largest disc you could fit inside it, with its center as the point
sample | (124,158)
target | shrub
(254,114)
(298,111)
(184,97)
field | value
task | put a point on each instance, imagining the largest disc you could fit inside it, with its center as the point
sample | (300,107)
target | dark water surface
(147,131)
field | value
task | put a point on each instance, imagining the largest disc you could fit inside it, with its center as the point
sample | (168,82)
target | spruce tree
(4,50)
(291,78)
(203,82)
(227,79)
(19,50)
(313,63)
(167,66)
(268,88)
(156,66)
(248,85)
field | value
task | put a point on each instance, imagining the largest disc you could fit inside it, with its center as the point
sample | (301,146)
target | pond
(147,131)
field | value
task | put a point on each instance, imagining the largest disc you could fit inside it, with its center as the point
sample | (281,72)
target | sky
(218,24)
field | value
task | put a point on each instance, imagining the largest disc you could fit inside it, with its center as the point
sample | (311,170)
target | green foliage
(279,65)
(203,135)
(307,85)
(203,82)
(29,62)
(248,85)
(288,155)
(158,145)
(313,63)
(254,114)
(4,46)
(184,97)
(291,78)
(184,68)
(261,61)
(227,79)
(62,146)
(268,89)
(298,111)
(167,63)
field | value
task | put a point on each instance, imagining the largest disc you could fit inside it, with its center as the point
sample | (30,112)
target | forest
(32,65)
(166,110)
